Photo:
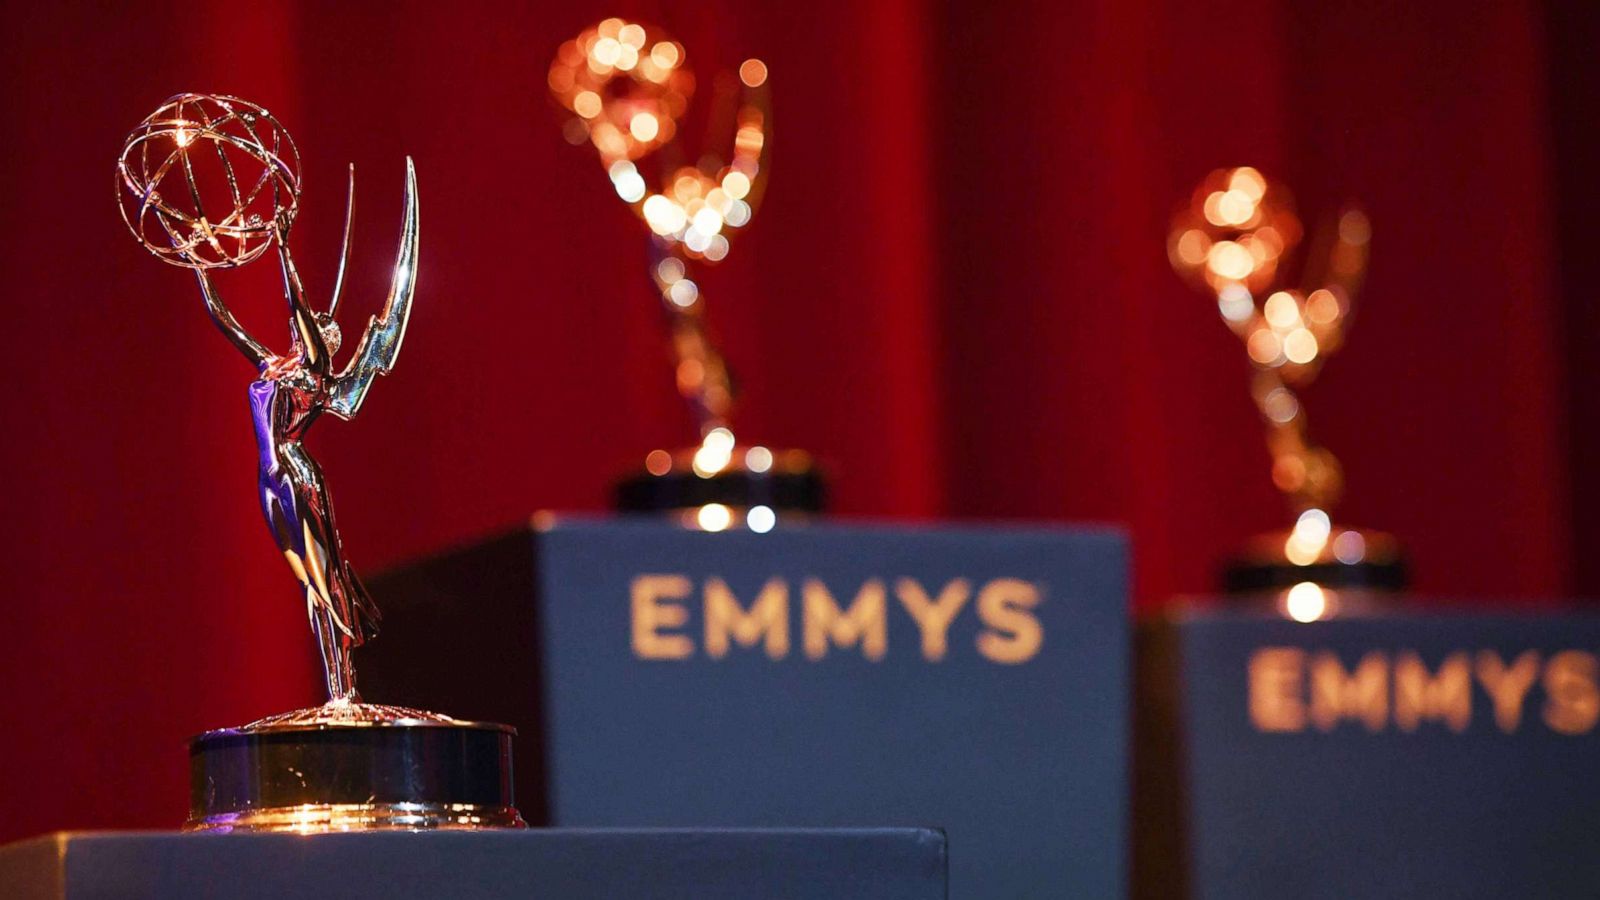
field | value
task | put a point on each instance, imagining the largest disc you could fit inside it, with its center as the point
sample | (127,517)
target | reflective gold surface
(628,86)
(1232,241)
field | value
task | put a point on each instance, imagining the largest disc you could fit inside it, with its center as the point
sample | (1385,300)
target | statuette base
(790,483)
(1265,567)
(352,767)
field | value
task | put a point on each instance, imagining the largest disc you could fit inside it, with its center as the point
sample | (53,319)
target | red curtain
(956,294)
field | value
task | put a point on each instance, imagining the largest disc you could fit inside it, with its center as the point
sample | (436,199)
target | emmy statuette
(212,182)
(627,89)
(1231,242)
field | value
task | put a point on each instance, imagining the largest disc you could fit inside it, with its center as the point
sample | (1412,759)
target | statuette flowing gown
(294,499)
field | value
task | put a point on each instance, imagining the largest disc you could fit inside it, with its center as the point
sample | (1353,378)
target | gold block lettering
(1507,687)
(1362,694)
(768,616)
(1420,695)
(1277,678)
(653,610)
(933,616)
(1572,698)
(1015,635)
(866,622)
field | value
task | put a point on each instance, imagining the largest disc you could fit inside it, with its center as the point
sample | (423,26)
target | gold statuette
(1232,241)
(627,88)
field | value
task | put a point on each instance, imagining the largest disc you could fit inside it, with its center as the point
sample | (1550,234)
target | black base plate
(792,490)
(1256,576)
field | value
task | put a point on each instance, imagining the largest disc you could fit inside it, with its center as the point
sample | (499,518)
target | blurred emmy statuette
(627,88)
(211,182)
(1232,241)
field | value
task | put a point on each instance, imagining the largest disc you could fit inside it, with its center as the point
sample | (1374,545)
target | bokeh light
(714,517)
(761,519)
(1307,602)
(1232,240)
(628,86)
